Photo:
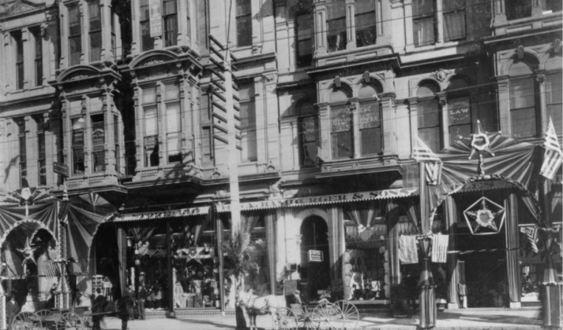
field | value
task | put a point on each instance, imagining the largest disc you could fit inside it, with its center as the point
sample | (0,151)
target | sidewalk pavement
(464,319)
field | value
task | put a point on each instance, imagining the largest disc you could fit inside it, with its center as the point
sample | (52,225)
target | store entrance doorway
(484,269)
(315,265)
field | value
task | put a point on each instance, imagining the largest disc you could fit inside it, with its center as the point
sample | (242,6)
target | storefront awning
(273,204)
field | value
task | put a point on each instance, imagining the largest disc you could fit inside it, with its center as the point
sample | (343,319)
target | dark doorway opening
(315,265)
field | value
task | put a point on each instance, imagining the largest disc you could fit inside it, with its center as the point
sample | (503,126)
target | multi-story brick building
(332,96)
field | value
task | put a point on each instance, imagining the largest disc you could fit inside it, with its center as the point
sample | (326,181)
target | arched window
(304,42)
(309,128)
(370,121)
(523,117)
(341,125)
(429,121)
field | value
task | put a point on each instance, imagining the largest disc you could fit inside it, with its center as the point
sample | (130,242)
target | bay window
(95,31)
(17,36)
(41,163)
(309,127)
(423,22)
(454,19)
(78,145)
(145,27)
(170,17)
(173,124)
(151,127)
(98,141)
(74,35)
(248,121)
(341,132)
(428,113)
(244,23)
(336,25)
(304,45)
(365,22)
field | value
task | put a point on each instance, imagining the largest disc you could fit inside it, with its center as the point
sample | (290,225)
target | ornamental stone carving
(442,74)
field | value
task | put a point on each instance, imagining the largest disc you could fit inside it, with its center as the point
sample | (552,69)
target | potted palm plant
(238,263)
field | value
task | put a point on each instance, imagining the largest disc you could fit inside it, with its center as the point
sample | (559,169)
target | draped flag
(433,164)
(532,236)
(552,158)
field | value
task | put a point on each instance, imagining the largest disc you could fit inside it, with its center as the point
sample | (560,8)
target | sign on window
(155,18)
(369,115)
(340,120)
(459,111)
(315,256)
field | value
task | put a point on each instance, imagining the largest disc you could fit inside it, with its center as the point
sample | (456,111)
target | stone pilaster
(540,78)
(503,95)
(320,13)
(350,24)
(388,127)
(413,118)
(324,125)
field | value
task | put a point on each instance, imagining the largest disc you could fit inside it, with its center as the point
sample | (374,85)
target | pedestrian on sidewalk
(98,307)
(125,309)
(141,301)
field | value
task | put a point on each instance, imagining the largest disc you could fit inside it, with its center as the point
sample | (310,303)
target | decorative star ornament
(480,142)
(486,220)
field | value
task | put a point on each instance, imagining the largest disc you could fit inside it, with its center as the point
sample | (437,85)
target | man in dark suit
(12,309)
(141,301)
(125,309)
(98,307)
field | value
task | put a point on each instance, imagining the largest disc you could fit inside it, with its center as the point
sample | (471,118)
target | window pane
(169,7)
(172,92)
(431,137)
(94,12)
(554,5)
(173,120)
(422,7)
(149,94)
(304,40)
(369,115)
(144,10)
(459,111)
(364,6)
(244,31)
(243,7)
(553,88)
(454,28)
(522,93)
(147,42)
(423,31)
(336,34)
(365,29)
(450,5)
(519,9)
(340,119)
(248,131)
(170,30)
(428,114)
(95,46)
(371,141)
(173,147)
(98,161)
(555,111)
(309,129)
(342,145)
(150,121)
(98,131)
(309,140)
(206,145)
(459,130)
(310,151)
(523,122)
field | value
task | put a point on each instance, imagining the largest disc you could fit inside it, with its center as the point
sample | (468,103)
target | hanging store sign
(341,120)
(369,115)
(275,203)
(155,16)
(60,168)
(315,256)
(459,111)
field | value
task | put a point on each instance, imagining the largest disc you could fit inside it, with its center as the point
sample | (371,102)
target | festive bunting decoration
(433,164)
(552,158)
(531,233)
(486,220)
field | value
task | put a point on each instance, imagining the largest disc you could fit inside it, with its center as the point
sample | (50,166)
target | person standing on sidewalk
(141,301)
(98,307)
(125,309)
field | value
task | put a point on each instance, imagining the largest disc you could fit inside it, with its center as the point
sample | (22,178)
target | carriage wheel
(87,322)
(70,321)
(327,316)
(47,325)
(350,312)
(286,319)
(26,321)
(308,323)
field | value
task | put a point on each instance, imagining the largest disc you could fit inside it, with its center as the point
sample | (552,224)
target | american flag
(552,158)
(433,164)
(532,235)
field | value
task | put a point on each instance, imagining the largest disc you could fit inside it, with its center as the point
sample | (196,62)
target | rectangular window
(454,20)
(170,17)
(341,131)
(553,5)
(309,128)
(244,23)
(23,150)
(553,100)
(304,40)
(117,152)
(17,36)
(459,117)
(423,22)
(365,23)
(78,146)
(95,31)
(113,37)
(41,164)
(523,108)
(74,35)
(518,9)
(188,19)
(98,141)
(151,137)
(336,25)
(207,146)
(38,57)
(173,132)
(370,128)
(248,122)
(429,124)
(145,27)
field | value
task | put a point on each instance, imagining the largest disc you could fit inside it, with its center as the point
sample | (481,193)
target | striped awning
(273,204)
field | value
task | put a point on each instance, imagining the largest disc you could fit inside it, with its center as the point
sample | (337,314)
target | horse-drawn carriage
(341,315)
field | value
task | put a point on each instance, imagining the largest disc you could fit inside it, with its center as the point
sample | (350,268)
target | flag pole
(427,299)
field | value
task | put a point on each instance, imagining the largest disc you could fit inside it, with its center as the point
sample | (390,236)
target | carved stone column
(320,13)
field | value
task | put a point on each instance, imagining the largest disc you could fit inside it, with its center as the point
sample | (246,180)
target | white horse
(253,305)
